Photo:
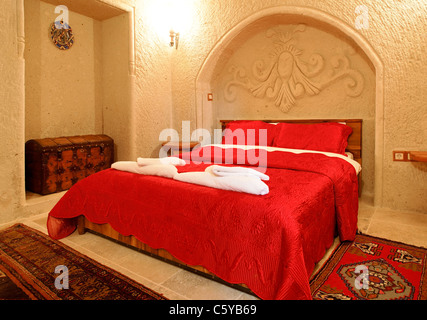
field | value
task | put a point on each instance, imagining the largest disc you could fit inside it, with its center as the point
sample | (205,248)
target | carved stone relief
(284,76)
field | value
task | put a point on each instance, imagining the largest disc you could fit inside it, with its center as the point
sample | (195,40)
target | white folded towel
(166,160)
(162,170)
(242,183)
(223,171)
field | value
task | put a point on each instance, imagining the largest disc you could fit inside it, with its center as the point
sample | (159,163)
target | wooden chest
(55,164)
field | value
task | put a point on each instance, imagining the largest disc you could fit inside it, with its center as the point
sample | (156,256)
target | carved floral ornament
(285,78)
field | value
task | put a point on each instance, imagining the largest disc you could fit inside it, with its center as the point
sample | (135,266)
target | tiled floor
(175,283)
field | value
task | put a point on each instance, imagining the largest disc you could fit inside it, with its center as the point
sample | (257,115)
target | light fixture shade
(171,18)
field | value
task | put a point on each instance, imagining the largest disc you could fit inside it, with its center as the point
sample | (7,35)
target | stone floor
(175,283)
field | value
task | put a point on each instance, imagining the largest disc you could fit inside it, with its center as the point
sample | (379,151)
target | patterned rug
(372,269)
(35,267)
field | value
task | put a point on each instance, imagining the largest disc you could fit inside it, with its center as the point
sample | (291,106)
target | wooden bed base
(105,230)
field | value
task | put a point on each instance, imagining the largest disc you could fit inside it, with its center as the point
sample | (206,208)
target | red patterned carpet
(35,267)
(371,268)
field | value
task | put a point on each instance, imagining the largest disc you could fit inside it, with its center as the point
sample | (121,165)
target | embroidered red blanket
(270,243)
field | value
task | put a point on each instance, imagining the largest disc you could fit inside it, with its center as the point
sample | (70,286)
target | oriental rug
(35,267)
(371,268)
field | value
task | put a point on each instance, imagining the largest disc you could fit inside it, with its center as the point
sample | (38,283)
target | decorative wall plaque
(283,77)
(61,35)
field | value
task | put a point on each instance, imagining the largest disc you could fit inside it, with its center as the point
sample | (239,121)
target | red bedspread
(271,243)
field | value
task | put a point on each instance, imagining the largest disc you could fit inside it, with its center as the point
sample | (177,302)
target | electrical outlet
(401,156)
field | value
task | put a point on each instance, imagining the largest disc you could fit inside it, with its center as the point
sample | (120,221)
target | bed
(268,244)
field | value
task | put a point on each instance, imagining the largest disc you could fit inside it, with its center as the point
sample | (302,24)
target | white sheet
(354,163)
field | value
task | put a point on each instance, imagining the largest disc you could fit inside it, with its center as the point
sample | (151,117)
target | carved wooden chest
(55,164)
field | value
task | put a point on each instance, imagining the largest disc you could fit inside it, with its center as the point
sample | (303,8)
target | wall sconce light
(174,39)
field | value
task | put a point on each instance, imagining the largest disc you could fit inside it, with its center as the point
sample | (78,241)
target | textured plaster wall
(136,120)
(116,83)
(11,112)
(63,88)
(396,32)
(152,94)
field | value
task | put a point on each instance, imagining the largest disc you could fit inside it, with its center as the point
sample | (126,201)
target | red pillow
(327,137)
(248,133)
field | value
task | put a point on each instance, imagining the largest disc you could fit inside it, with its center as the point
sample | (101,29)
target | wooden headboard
(354,140)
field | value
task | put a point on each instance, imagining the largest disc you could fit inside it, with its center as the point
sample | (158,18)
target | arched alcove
(300,19)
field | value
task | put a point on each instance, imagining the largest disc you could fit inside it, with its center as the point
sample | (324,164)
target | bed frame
(106,231)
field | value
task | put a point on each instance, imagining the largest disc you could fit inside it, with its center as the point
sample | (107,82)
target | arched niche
(88,89)
(267,19)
